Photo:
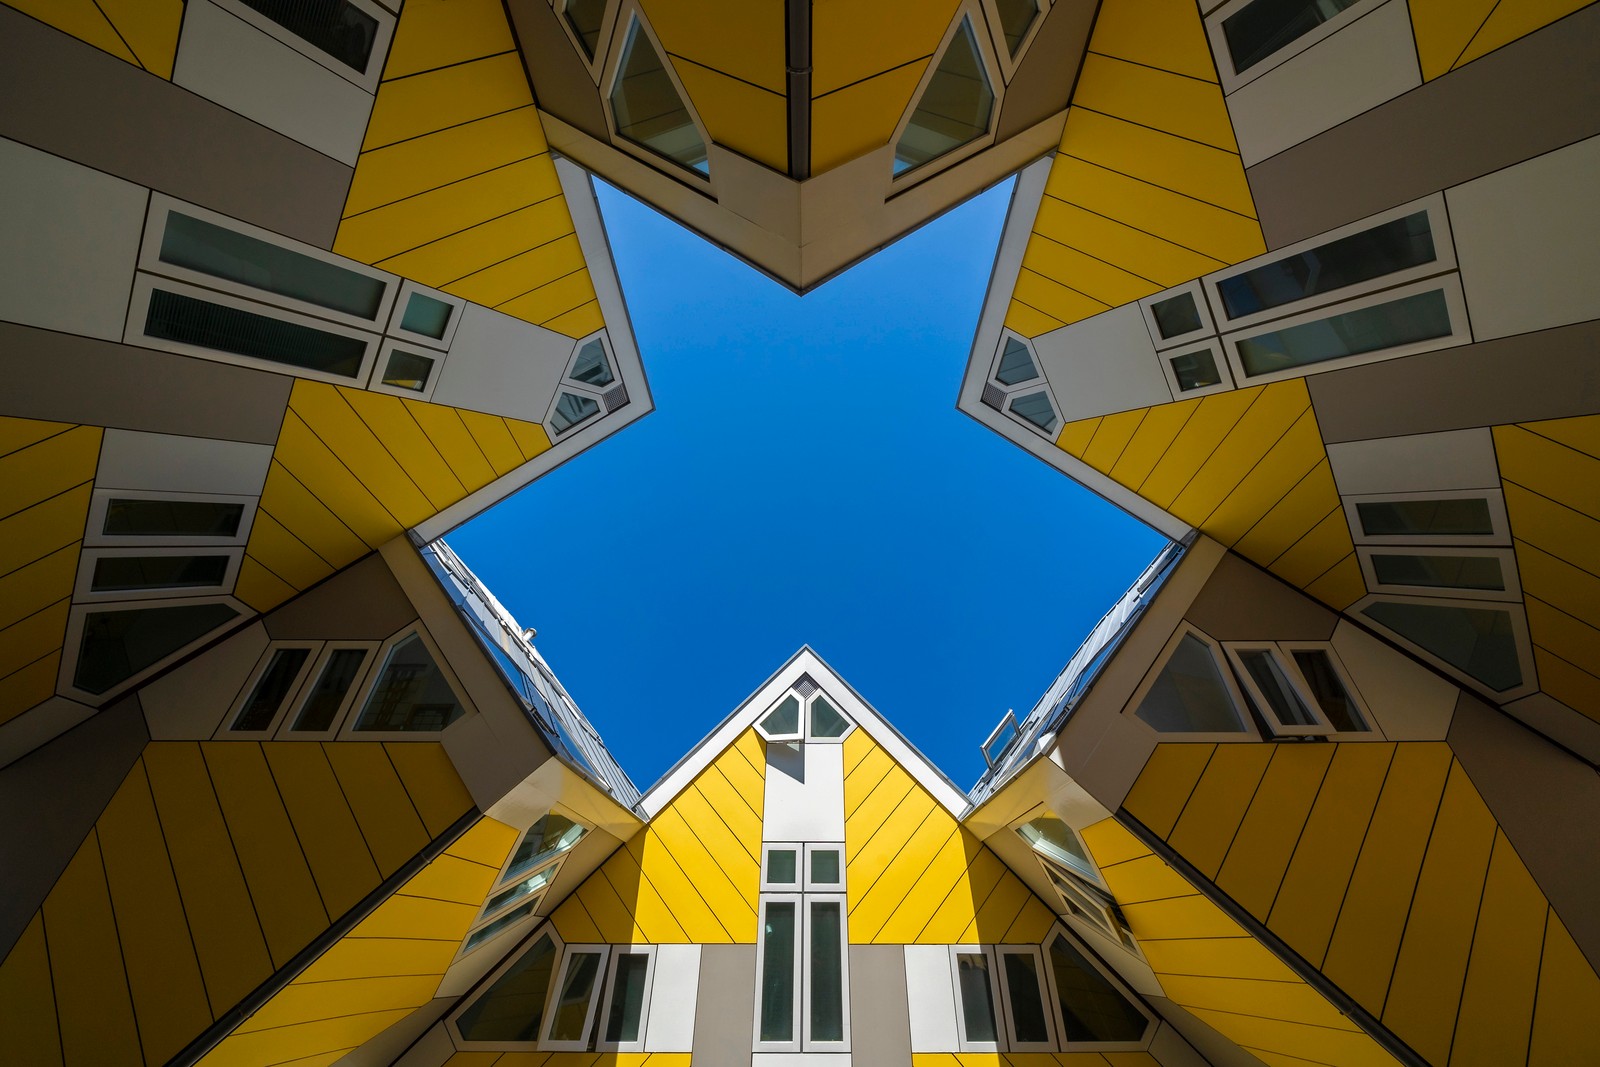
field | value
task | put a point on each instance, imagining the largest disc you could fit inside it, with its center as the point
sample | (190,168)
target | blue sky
(805,479)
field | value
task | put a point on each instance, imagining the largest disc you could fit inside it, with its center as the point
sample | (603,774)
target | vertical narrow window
(1026,1021)
(624,1021)
(826,971)
(573,1008)
(647,108)
(1191,695)
(1317,668)
(1270,680)
(955,106)
(777,993)
(271,690)
(977,998)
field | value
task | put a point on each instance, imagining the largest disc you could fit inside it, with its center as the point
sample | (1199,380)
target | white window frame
(1519,627)
(96,537)
(805,719)
(139,309)
(1291,675)
(767,848)
(1007,393)
(602,46)
(286,730)
(1247,730)
(612,971)
(1455,306)
(766,900)
(568,955)
(785,738)
(1232,80)
(1208,321)
(612,45)
(988,56)
(1508,569)
(367,79)
(225,730)
(452,1020)
(997,36)
(1090,874)
(1500,523)
(963,1042)
(150,261)
(1444,262)
(1084,904)
(1289,648)
(1224,371)
(1110,976)
(1032,952)
(376,384)
(1009,719)
(348,731)
(467,947)
(812,886)
(402,299)
(82,592)
(807,966)
(72,645)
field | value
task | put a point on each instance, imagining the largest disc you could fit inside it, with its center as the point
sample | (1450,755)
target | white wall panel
(673,994)
(69,237)
(503,366)
(225,59)
(1103,364)
(1528,241)
(1409,702)
(131,459)
(1418,463)
(1357,68)
(931,996)
(804,798)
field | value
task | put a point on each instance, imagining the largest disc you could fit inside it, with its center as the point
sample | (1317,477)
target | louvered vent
(616,398)
(805,686)
(994,397)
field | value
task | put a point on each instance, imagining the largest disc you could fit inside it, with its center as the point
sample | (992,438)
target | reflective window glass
(1195,370)
(1054,838)
(1037,409)
(1284,702)
(1091,1007)
(585,17)
(114,573)
(272,688)
(825,866)
(119,644)
(1450,572)
(591,367)
(510,918)
(954,109)
(647,108)
(327,695)
(826,720)
(525,888)
(181,518)
(1317,669)
(777,972)
(339,28)
(1405,321)
(1016,364)
(1462,517)
(1480,642)
(826,970)
(551,835)
(407,370)
(223,328)
(571,1009)
(513,1007)
(783,720)
(1016,18)
(1021,975)
(427,315)
(1189,695)
(1176,315)
(1259,29)
(570,410)
(977,998)
(782,866)
(627,996)
(411,693)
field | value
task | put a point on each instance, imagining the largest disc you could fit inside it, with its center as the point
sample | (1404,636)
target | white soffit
(1418,463)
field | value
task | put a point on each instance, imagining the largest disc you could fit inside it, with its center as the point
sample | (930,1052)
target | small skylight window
(647,108)
(782,723)
(1037,409)
(592,367)
(572,409)
(955,107)
(1016,364)
(1016,19)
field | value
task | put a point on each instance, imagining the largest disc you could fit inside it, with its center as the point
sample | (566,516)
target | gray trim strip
(797,50)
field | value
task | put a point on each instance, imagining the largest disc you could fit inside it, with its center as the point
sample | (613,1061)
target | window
(955,107)
(154,572)
(1486,644)
(802,982)
(1192,692)
(591,386)
(411,692)
(407,370)
(1021,998)
(326,701)
(1093,1009)
(171,518)
(573,1005)
(349,37)
(508,919)
(627,999)
(1332,692)
(1016,19)
(825,1011)
(1000,738)
(1022,992)
(1196,372)
(585,18)
(1262,27)
(1017,387)
(1049,836)
(648,108)
(824,867)
(797,718)
(1178,316)
(1036,409)
(1449,517)
(533,865)
(592,367)
(778,992)
(1016,363)
(1472,573)
(977,992)
(1401,322)
(512,1009)
(780,868)
(552,835)
(1087,902)
(426,316)
(278,679)
(119,643)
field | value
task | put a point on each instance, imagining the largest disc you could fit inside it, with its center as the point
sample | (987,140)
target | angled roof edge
(742,718)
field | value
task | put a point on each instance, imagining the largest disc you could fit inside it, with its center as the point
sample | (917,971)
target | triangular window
(1016,19)
(1191,695)
(1092,1008)
(513,1007)
(647,108)
(1016,364)
(955,107)
(585,17)
(411,693)
(782,723)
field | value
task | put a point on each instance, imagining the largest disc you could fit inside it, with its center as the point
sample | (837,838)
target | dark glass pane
(119,644)
(407,370)
(826,720)
(525,888)
(571,409)
(784,719)
(1016,364)
(427,315)
(777,973)
(1016,16)
(591,367)
(1176,315)
(182,518)
(515,915)
(1189,695)
(222,253)
(410,694)
(1451,572)
(585,17)
(1035,407)
(647,107)
(977,1000)
(1091,1007)
(1022,987)
(577,989)
(1195,370)
(1480,642)
(514,1006)
(627,997)
(827,971)
(157,572)
(336,27)
(1385,249)
(1370,329)
(271,689)
(1286,705)
(825,866)
(550,835)
(1329,690)
(954,109)
(781,866)
(190,321)
(1468,516)
(1258,30)
(328,694)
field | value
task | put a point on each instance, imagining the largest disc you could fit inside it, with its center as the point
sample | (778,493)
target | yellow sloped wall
(455,186)
(211,867)
(1451,33)
(141,32)
(914,875)
(46,475)
(1382,867)
(692,874)
(1033,1059)
(1550,473)
(353,469)
(569,1059)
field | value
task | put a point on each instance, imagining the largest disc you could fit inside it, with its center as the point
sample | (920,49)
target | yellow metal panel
(42,470)
(1558,583)
(169,996)
(1442,30)
(1195,224)
(1096,278)
(953,921)
(581,321)
(748,782)
(80,18)
(1145,878)
(653,918)
(1557,529)
(945,871)
(1549,468)
(730,804)
(679,890)
(411,107)
(548,301)
(1366,938)
(853,41)
(1340,585)
(1425,992)
(436,790)
(1212,175)
(92,1002)
(390,419)
(729,902)
(736,858)
(1274,1000)
(858,746)
(444,428)
(150,28)
(853,121)
(494,440)
(1055,299)
(1288,461)
(871,848)
(20,433)
(1573,686)
(1163,787)
(388,822)
(441,33)
(1029,322)
(1343,1047)
(1075,436)
(317,468)
(573,923)
(450,877)
(1224,957)
(1155,98)
(1111,438)
(1563,1020)
(442,261)
(1166,34)
(1255,436)
(330,416)
(1265,842)
(1581,432)
(1125,244)
(38,585)
(1302,507)
(1155,435)
(285,894)
(612,915)
(259,587)
(1031,924)
(743,38)
(909,882)
(45,527)
(1218,805)
(301,513)
(407,916)
(872,815)
(1179,917)
(1324,544)
(32,1035)
(1555,631)
(487,841)
(530,437)
(1313,887)
(1200,436)
(302,1002)
(287,1044)
(521,274)
(1497,1000)
(327,830)
(998,910)
(284,554)
(33,638)
(738,115)
(33,684)
(1513,20)
(376,957)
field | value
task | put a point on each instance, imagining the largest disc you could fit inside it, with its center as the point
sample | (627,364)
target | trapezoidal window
(1016,19)
(955,107)
(411,693)
(647,107)
(1191,694)
(1093,1010)
(513,1007)
(118,643)
(585,17)
(1480,642)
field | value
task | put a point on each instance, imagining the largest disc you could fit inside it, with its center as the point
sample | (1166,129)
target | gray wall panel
(561,83)
(724,1015)
(1530,97)
(1244,603)
(363,603)
(1042,84)
(68,378)
(94,108)
(880,1017)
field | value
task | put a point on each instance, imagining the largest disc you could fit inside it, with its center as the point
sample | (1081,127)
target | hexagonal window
(1016,364)
(782,723)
